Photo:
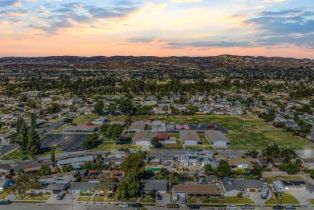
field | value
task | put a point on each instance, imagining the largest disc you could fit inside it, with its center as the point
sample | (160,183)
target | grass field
(84,198)
(285,198)
(244,132)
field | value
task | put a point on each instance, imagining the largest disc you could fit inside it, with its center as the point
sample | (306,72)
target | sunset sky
(157,27)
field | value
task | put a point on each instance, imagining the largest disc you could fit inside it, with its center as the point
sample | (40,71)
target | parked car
(247,206)
(173,206)
(124,205)
(60,196)
(159,196)
(194,206)
(136,205)
(232,207)
(4,202)
(290,207)
(278,207)
(245,194)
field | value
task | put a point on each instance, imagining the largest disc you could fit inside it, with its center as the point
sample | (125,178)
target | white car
(124,205)
(246,194)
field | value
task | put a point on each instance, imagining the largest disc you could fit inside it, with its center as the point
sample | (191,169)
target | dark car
(247,206)
(173,206)
(278,207)
(4,202)
(136,205)
(159,197)
(60,196)
(194,206)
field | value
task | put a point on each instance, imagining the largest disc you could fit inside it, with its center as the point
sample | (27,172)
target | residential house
(189,137)
(100,121)
(181,192)
(278,186)
(232,187)
(217,138)
(143,138)
(158,126)
(137,126)
(75,162)
(81,129)
(84,187)
(152,186)
(241,163)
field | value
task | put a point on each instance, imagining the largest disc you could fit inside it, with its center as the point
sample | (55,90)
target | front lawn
(148,199)
(238,200)
(84,198)
(284,198)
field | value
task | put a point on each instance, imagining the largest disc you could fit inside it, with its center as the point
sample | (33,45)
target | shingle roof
(83,186)
(158,185)
(197,189)
(214,135)
(187,135)
(237,184)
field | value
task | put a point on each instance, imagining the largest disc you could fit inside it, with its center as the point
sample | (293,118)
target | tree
(33,138)
(22,136)
(223,169)
(53,157)
(133,167)
(208,169)
(91,141)
(155,142)
(99,107)
(252,153)
(45,170)
(25,182)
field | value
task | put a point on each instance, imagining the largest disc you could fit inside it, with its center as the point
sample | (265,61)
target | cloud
(210,44)
(5,3)
(186,1)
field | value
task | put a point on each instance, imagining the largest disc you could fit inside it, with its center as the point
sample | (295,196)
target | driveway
(302,196)
(164,201)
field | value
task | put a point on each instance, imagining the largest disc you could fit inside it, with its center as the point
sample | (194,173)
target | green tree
(99,107)
(208,169)
(91,141)
(25,182)
(223,169)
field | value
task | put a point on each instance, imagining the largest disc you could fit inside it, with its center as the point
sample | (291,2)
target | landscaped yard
(14,155)
(311,201)
(148,199)
(84,198)
(110,145)
(238,200)
(285,198)
(41,198)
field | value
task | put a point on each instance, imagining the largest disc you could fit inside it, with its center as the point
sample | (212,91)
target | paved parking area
(164,201)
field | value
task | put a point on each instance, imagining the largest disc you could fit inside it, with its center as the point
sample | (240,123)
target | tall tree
(25,182)
(33,138)
(99,107)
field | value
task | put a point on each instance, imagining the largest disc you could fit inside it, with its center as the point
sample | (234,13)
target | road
(30,206)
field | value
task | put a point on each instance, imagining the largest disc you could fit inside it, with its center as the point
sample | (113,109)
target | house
(84,187)
(163,136)
(29,166)
(81,129)
(57,187)
(182,127)
(158,126)
(152,186)
(189,137)
(75,162)
(308,163)
(294,185)
(143,138)
(5,183)
(232,187)
(241,163)
(5,138)
(278,186)
(217,138)
(181,192)
(137,126)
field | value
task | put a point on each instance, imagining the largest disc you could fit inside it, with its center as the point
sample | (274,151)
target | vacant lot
(245,132)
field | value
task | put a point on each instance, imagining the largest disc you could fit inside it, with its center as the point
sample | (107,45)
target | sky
(157,27)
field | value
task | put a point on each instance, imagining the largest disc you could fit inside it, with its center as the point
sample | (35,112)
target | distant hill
(130,62)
